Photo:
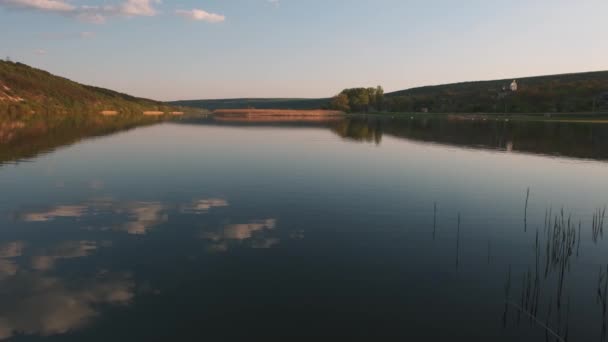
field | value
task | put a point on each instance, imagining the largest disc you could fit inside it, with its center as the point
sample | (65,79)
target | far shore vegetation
(576,95)
(35,100)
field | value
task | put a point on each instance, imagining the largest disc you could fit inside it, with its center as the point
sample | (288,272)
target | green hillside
(25,90)
(260,103)
(40,112)
(566,93)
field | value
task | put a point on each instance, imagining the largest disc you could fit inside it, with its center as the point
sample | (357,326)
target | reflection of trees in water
(583,140)
(368,130)
(20,140)
(26,139)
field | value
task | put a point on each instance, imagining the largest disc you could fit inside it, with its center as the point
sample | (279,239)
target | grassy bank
(548,117)
(27,91)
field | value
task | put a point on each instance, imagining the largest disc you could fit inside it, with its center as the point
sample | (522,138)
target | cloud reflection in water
(204,205)
(55,212)
(64,250)
(36,304)
(253,232)
(8,251)
(141,215)
(144,216)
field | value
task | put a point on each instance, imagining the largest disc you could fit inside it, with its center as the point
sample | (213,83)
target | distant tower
(514,85)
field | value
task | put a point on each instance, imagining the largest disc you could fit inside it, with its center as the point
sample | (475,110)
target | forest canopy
(359,100)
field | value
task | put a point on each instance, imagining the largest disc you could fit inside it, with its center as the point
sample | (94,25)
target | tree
(360,99)
(340,102)
(379,98)
(371,93)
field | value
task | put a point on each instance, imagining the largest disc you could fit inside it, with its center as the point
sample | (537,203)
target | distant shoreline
(276,115)
(581,117)
(276,112)
(281,115)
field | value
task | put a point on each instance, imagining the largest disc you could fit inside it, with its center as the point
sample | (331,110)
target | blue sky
(194,49)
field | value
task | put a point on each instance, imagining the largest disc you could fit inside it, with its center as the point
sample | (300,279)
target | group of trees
(569,93)
(359,100)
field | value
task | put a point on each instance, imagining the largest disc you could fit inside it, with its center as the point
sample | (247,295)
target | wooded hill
(567,93)
(26,90)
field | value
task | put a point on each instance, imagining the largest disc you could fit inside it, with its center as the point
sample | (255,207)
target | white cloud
(275,3)
(66,36)
(40,52)
(200,15)
(42,5)
(86,34)
(138,8)
(91,14)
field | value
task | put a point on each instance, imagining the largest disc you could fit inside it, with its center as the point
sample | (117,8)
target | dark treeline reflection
(24,139)
(572,139)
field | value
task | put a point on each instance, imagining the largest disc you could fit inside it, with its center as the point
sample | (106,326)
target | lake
(363,228)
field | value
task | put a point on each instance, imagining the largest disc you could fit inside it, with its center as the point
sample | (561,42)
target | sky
(206,49)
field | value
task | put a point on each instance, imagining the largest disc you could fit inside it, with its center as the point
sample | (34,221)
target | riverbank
(276,115)
(275,112)
(552,117)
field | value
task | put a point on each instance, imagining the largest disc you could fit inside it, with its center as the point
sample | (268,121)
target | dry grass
(275,112)
(6,94)
(153,113)
(277,118)
(276,115)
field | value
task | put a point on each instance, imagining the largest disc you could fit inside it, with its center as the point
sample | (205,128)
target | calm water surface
(203,231)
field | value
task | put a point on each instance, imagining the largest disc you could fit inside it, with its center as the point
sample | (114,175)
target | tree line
(570,93)
(359,100)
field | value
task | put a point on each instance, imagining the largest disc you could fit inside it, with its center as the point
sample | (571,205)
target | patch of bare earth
(276,112)
(6,94)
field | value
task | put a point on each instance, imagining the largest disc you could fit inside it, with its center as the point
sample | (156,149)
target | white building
(513,85)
